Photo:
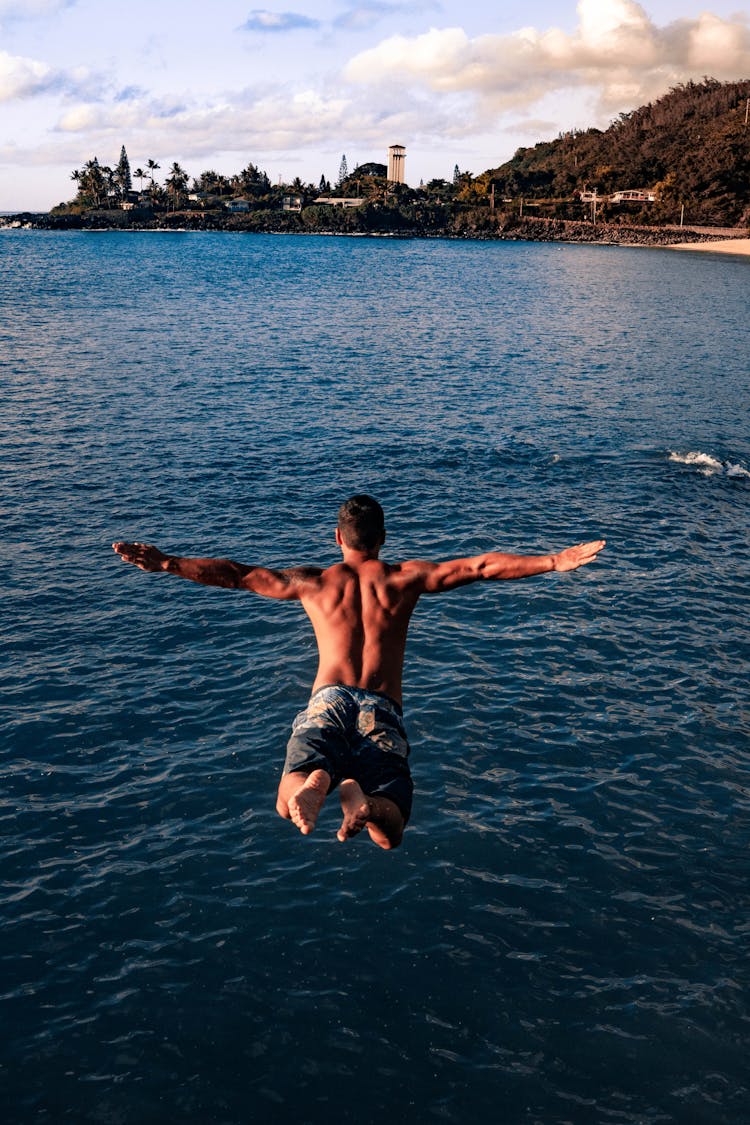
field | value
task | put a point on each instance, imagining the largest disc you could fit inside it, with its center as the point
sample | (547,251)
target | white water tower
(396,164)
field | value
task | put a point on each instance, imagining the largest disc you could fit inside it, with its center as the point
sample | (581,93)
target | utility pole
(682,214)
(747,111)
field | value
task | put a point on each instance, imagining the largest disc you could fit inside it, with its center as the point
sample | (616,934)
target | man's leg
(380,816)
(301,796)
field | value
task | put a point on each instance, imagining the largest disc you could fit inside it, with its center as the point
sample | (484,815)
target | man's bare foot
(307,802)
(355,807)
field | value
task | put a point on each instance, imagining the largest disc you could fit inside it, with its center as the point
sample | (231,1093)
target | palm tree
(140,175)
(93,181)
(176,182)
(152,167)
(110,184)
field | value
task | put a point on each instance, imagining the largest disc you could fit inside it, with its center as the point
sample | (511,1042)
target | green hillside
(692,145)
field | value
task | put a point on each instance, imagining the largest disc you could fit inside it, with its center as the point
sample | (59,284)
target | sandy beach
(725,246)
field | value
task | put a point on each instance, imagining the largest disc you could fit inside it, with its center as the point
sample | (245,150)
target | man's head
(361,524)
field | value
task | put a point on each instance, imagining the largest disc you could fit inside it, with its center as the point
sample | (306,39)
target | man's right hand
(573,557)
(142,555)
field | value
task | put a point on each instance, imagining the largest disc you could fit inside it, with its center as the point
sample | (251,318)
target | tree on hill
(122,175)
(371,168)
(213,183)
(251,183)
(93,183)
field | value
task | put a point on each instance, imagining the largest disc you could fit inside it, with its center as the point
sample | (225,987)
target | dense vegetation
(691,148)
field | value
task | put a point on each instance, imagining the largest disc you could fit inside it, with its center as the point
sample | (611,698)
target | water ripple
(562,936)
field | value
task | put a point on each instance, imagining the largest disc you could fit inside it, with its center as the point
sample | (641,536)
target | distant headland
(674,171)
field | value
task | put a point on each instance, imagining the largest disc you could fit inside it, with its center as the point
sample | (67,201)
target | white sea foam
(708,465)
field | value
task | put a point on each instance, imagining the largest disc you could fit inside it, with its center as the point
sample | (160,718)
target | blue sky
(292,86)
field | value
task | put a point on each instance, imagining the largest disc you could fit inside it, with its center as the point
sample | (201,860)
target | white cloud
(267,120)
(616,49)
(263,125)
(22,78)
(78,119)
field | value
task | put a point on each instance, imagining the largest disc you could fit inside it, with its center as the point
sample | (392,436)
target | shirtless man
(351,734)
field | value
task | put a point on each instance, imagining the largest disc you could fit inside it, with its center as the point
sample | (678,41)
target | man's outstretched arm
(440,577)
(284,584)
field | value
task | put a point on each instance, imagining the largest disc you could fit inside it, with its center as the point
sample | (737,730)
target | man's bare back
(360,609)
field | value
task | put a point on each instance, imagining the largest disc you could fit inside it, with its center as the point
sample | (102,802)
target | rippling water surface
(563,936)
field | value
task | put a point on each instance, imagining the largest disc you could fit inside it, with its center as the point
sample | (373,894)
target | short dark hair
(361,523)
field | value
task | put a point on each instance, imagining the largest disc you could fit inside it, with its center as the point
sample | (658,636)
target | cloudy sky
(293,86)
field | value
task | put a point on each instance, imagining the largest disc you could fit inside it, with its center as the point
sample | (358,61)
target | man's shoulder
(407,576)
(403,573)
(405,569)
(412,568)
(377,569)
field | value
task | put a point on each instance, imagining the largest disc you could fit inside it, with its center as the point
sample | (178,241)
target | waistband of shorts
(363,693)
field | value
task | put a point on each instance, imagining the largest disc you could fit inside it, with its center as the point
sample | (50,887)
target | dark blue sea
(562,938)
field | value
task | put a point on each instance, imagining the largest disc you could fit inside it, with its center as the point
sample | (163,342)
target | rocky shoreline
(377,222)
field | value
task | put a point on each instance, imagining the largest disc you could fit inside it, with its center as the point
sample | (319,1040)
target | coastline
(474,224)
(737,246)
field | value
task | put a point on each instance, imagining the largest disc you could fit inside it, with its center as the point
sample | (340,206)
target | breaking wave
(710,466)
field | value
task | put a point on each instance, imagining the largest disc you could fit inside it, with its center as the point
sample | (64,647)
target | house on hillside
(205,199)
(344,201)
(236,205)
(633,195)
(291,203)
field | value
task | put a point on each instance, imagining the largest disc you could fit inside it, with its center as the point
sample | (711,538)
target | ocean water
(563,936)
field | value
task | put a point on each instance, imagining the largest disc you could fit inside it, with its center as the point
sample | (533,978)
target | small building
(339,201)
(633,195)
(236,205)
(292,203)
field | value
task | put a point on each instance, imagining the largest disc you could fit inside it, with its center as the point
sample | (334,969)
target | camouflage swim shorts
(350,732)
